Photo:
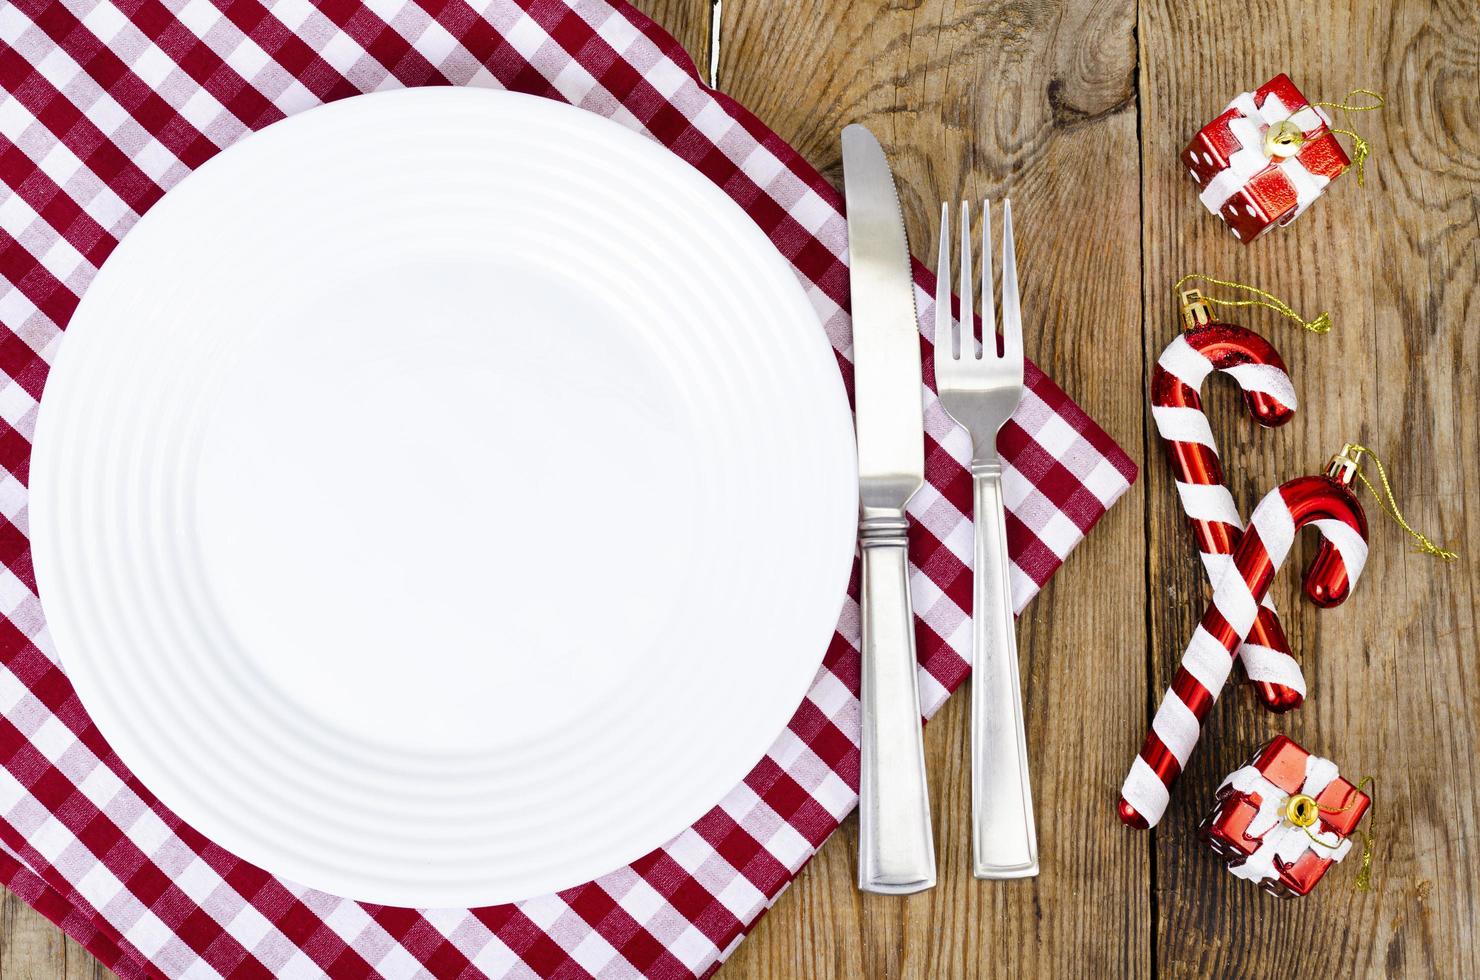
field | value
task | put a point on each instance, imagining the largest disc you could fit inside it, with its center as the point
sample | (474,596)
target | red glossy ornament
(1226,348)
(1320,501)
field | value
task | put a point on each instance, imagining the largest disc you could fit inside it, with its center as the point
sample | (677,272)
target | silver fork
(980,390)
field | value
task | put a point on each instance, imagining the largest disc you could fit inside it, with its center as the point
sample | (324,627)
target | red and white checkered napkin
(104,108)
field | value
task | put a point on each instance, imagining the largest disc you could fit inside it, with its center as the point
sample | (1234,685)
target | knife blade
(886,332)
(896,852)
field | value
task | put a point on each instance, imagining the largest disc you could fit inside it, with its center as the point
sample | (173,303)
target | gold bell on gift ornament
(1283,139)
(1301,810)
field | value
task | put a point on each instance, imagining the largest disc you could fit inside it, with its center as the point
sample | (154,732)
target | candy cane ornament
(1176,407)
(1324,502)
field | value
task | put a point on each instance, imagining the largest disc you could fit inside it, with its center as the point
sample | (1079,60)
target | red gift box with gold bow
(1265,159)
(1284,819)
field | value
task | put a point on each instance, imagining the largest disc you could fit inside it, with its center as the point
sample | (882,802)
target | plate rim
(43,465)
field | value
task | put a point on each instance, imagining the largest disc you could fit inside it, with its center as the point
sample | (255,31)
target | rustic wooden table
(1077,109)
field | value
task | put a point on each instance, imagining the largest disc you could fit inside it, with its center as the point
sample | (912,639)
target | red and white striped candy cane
(1176,406)
(1322,501)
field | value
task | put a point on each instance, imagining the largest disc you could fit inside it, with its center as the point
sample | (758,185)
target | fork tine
(989,315)
(947,339)
(1012,318)
(968,316)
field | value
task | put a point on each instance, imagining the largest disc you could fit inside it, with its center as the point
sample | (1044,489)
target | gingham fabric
(104,108)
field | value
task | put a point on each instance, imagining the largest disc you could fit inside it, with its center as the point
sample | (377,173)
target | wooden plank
(31,948)
(1036,101)
(688,21)
(1392,674)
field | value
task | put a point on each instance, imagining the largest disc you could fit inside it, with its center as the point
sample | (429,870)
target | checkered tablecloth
(105,107)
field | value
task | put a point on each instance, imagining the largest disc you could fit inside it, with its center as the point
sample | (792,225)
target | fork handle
(1004,841)
(896,854)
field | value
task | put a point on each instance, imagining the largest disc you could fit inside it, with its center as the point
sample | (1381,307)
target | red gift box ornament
(1284,819)
(1269,156)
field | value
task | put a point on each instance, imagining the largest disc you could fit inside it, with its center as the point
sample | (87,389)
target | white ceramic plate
(443,497)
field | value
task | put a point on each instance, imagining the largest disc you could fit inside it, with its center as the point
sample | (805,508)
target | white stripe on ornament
(1262,663)
(1217,564)
(1274,109)
(1308,186)
(1349,542)
(1251,782)
(1176,726)
(1266,379)
(1243,163)
(1183,425)
(1223,185)
(1257,866)
(1144,790)
(1244,103)
(1275,525)
(1185,363)
(1236,603)
(1208,502)
(1319,773)
(1308,119)
(1234,779)
(1207,661)
(1290,843)
(1250,157)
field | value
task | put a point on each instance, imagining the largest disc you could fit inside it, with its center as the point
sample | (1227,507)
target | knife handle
(1004,839)
(896,853)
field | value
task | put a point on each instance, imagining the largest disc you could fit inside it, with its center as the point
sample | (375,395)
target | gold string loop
(1361,149)
(1351,803)
(1378,102)
(1364,871)
(1363,882)
(1350,459)
(1301,811)
(1321,324)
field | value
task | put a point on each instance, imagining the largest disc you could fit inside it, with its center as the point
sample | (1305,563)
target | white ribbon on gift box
(1250,158)
(1278,837)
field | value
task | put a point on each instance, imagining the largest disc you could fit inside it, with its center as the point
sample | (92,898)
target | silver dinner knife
(896,853)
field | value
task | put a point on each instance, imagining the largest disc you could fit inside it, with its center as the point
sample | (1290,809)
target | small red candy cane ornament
(1176,407)
(1324,502)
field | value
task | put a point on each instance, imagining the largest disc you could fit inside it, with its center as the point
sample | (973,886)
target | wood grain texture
(688,21)
(1035,101)
(1077,108)
(1392,674)
(31,948)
